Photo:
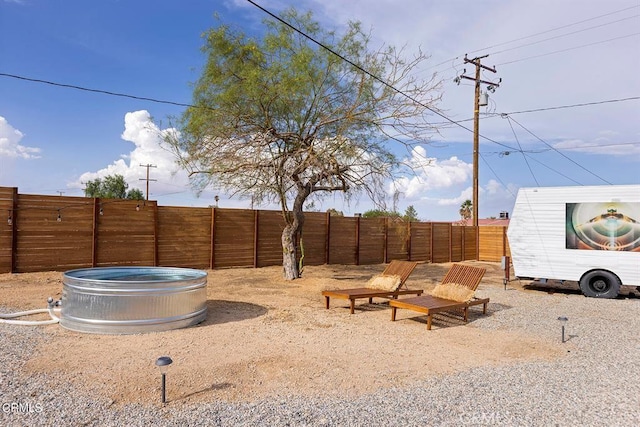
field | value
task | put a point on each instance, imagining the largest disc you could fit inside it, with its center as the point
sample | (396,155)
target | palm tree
(466,211)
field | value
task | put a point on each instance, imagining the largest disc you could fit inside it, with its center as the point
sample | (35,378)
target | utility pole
(491,86)
(147,179)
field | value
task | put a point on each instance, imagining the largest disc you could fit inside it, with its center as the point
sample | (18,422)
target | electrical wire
(496,175)
(359,68)
(560,107)
(562,35)
(535,34)
(584,104)
(568,49)
(449,120)
(562,154)
(102,91)
(555,29)
(523,154)
(553,170)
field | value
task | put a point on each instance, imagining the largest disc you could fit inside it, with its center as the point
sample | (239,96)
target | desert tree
(280,119)
(111,187)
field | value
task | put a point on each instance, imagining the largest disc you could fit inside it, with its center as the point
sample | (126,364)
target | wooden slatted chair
(403,269)
(465,275)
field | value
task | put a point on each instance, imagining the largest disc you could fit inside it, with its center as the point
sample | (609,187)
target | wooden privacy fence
(61,233)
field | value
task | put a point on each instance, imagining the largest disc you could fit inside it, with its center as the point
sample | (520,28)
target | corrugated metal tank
(132,300)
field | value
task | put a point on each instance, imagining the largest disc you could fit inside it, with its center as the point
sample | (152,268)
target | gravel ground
(596,383)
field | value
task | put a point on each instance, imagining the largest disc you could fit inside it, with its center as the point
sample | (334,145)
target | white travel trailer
(590,235)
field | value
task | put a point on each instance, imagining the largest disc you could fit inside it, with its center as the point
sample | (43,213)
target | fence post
(450,242)
(409,240)
(256,219)
(155,234)
(358,240)
(431,233)
(386,239)
(327,237)
(504,241)
(94,232)
(14,229)
(212,263)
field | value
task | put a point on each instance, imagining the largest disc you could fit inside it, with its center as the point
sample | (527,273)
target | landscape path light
(163,363)
(563,321)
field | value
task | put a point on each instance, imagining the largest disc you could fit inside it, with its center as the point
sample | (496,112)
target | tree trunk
(290,236)
(289,253)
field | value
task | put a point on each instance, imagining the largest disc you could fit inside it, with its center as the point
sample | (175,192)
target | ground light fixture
(163,363)
(563,321)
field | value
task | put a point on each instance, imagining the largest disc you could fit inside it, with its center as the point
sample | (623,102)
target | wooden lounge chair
(395,267)
(464,275)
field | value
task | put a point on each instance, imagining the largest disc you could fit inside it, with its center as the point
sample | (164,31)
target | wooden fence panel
(234,238)
(371,244)
(397,240)
(441,241)
(493,243)
(342,240)
(314,238)
(8,199)
(269,239)
(420,241)
(53,233)
(457,244)
(106,232)
(126,233)
(470,243)
(184,237)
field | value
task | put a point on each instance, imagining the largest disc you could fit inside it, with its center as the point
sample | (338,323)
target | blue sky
(548,54)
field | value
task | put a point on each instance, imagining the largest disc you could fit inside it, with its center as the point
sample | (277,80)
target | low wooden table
(431,305)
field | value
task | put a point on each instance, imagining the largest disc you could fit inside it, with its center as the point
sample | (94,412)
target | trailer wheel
(600,284)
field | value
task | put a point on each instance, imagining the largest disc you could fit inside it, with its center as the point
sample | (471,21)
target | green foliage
(377,213)
(111,187)
(410,214)
(135,194)
(280,119)
(283,120)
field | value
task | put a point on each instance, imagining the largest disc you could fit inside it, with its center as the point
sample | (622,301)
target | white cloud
(10,138)
(604,142)
(147,137)
(429,174)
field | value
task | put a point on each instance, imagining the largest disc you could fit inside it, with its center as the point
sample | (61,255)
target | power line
(556,29)
(563,35)
(580,147)
(599,146)
(583,104)
(560,107)
(496,175)
(559,152)
(523,154)
(569,49)
(358,67)
(536,34)
(101,91)
(553,170)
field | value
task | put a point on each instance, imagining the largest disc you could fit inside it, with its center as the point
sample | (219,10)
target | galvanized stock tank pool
(132,300)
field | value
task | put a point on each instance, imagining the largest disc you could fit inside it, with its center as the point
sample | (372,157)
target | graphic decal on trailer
(603,226)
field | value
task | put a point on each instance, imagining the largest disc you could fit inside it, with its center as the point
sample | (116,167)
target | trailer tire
(600,284)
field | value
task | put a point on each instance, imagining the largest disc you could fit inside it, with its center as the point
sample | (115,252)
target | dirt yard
(265,335)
